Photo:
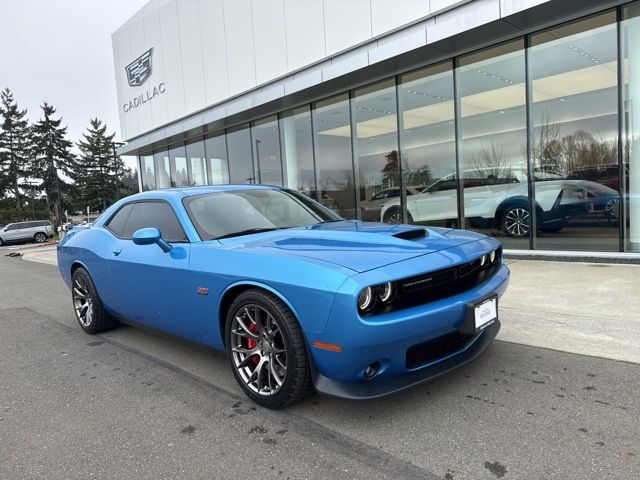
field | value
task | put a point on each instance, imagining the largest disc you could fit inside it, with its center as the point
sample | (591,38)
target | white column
(632,30)
(291,174)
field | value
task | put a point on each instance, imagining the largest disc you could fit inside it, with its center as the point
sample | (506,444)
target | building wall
(236,54)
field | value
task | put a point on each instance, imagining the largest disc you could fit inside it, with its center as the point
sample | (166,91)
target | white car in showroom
(499,200)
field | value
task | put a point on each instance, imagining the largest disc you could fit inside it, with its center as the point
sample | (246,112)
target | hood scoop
(412,234)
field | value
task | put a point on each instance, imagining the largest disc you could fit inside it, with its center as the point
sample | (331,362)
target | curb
(572,256)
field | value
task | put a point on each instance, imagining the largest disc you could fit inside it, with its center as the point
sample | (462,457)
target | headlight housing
(366,299)
(386,291)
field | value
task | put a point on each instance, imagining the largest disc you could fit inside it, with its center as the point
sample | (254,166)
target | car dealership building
(491,115)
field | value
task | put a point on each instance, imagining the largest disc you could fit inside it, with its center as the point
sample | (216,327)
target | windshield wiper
(246,232)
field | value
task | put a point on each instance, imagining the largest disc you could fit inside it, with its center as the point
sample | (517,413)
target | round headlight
(492,256)
(386,292)
(483,260)
(366,299)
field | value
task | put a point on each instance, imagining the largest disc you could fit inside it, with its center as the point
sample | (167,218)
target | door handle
(116,252)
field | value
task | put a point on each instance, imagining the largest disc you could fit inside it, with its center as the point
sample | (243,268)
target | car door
(151,285)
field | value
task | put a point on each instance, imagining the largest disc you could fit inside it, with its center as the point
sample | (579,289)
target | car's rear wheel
(266,349)
(394,215)
(90,313)
(40,237)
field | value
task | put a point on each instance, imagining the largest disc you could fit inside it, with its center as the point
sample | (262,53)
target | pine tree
(15,143)
(52,156)
(99,169)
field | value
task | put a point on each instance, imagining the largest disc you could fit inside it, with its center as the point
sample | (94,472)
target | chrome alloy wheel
(258,350)
(82,302)
(516,222)
(395,217)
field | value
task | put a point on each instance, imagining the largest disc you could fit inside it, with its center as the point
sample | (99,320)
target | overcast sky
(60,51)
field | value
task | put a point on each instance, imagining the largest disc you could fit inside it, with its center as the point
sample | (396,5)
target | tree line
(42,177)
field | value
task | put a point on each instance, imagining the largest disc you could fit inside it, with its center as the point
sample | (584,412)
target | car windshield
(240,212)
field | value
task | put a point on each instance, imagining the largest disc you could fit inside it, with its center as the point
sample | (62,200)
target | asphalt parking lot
(134,404)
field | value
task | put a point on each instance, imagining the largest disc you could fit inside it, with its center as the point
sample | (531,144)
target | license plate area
(480,315)
(485,313)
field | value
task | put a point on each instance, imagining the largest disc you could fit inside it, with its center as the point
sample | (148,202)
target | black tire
(394,215)
(100,320)
(40,237)
(1,243)
(297,383)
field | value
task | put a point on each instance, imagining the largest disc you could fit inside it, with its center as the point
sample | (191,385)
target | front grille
(427,287)
(427,352)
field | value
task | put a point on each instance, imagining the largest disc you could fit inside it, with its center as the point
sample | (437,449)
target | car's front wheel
(90,313)
(40,237)
(516,222)
(266,349)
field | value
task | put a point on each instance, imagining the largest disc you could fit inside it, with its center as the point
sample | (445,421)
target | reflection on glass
(178,163)
(240,159)
(332,141)
(163,170)
(574,118)
(216,150)
(297,154)
(631,133)
(266,150)
(374,112)
(197,160)
(428,139)
(148,172)
(493,145)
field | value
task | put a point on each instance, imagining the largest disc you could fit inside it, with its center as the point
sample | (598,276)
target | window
(198,163)
(226,213)
(575,131)
(332,140)
(163,170)
(119,220)
(13,226)
(428,142)
(493,143)
(179,169)
(266,150)
(374,112)
(297,151)
(147,170)
(159,215)
(240,160)
(216,150)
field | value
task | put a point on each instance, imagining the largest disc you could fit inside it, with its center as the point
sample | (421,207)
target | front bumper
(387,339)
(365,390)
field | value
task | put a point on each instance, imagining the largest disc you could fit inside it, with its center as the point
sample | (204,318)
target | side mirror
(149,236)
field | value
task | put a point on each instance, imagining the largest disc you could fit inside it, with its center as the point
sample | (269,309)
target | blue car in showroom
(299,298)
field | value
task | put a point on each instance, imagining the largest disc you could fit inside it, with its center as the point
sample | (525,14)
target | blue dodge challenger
(299,298)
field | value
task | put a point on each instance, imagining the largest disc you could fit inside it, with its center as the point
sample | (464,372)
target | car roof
(191,191)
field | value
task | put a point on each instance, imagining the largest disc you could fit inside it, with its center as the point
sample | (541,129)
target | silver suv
(38,231)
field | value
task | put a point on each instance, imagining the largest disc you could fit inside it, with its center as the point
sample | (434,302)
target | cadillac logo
(139,70)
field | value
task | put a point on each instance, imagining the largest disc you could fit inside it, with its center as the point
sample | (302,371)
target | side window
(155,214)
(12,227)
(118,221)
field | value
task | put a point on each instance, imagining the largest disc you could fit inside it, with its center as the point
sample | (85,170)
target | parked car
(299,298)
(498,200)
(38,231)
(370,209)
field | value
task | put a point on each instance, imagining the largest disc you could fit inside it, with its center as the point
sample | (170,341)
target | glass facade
(266,151)
(535,141)
(493,142)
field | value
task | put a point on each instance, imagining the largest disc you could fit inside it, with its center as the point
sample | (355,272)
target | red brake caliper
(251,344)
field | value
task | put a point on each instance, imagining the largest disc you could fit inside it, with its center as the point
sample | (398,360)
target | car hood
(358,246)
